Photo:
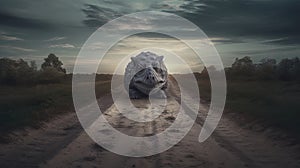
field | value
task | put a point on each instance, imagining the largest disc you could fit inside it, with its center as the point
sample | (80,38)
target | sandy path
(188,153)
(230,145)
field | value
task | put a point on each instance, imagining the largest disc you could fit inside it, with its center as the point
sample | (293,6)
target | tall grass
(274,102)
(28,106)
(21,106)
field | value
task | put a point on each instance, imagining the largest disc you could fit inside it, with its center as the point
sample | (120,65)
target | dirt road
(63,143)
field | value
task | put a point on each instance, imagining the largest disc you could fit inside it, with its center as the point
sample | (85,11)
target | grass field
(275,103)
(30,105)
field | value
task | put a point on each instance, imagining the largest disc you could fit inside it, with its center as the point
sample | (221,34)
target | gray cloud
(97,16)
(11,20)
(248,18)
(15,48)
(231,19)
(66,45)
(55,39)
(7,37)
(266,51)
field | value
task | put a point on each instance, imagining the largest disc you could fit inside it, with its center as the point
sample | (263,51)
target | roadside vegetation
(30,95)
(267,91)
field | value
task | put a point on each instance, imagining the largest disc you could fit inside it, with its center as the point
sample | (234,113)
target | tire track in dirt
(66,157)
(252,148)
(200,120)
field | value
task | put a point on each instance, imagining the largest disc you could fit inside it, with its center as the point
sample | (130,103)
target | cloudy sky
(32,29)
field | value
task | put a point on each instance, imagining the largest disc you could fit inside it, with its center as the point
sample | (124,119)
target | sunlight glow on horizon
(133,45)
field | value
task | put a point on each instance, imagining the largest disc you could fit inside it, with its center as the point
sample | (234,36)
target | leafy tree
(33,65)
(50,75)
(7,71)
(295,69)
(23,72)
(19,72)
(14,71)
(289,69)
(266,69)
(53,61)
(243,66)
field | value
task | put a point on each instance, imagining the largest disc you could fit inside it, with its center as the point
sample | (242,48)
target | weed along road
(63,143)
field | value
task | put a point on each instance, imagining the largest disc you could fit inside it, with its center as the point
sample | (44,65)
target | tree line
(20,72)
(287,69)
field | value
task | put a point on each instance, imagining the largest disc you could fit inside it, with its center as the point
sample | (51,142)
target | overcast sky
(32,29)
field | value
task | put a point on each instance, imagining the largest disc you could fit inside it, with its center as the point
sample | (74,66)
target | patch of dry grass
(274,102)
(28,106)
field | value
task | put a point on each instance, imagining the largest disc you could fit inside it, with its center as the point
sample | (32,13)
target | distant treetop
(52,61)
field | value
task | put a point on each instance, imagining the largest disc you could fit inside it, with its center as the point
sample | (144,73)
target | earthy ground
(63,143)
